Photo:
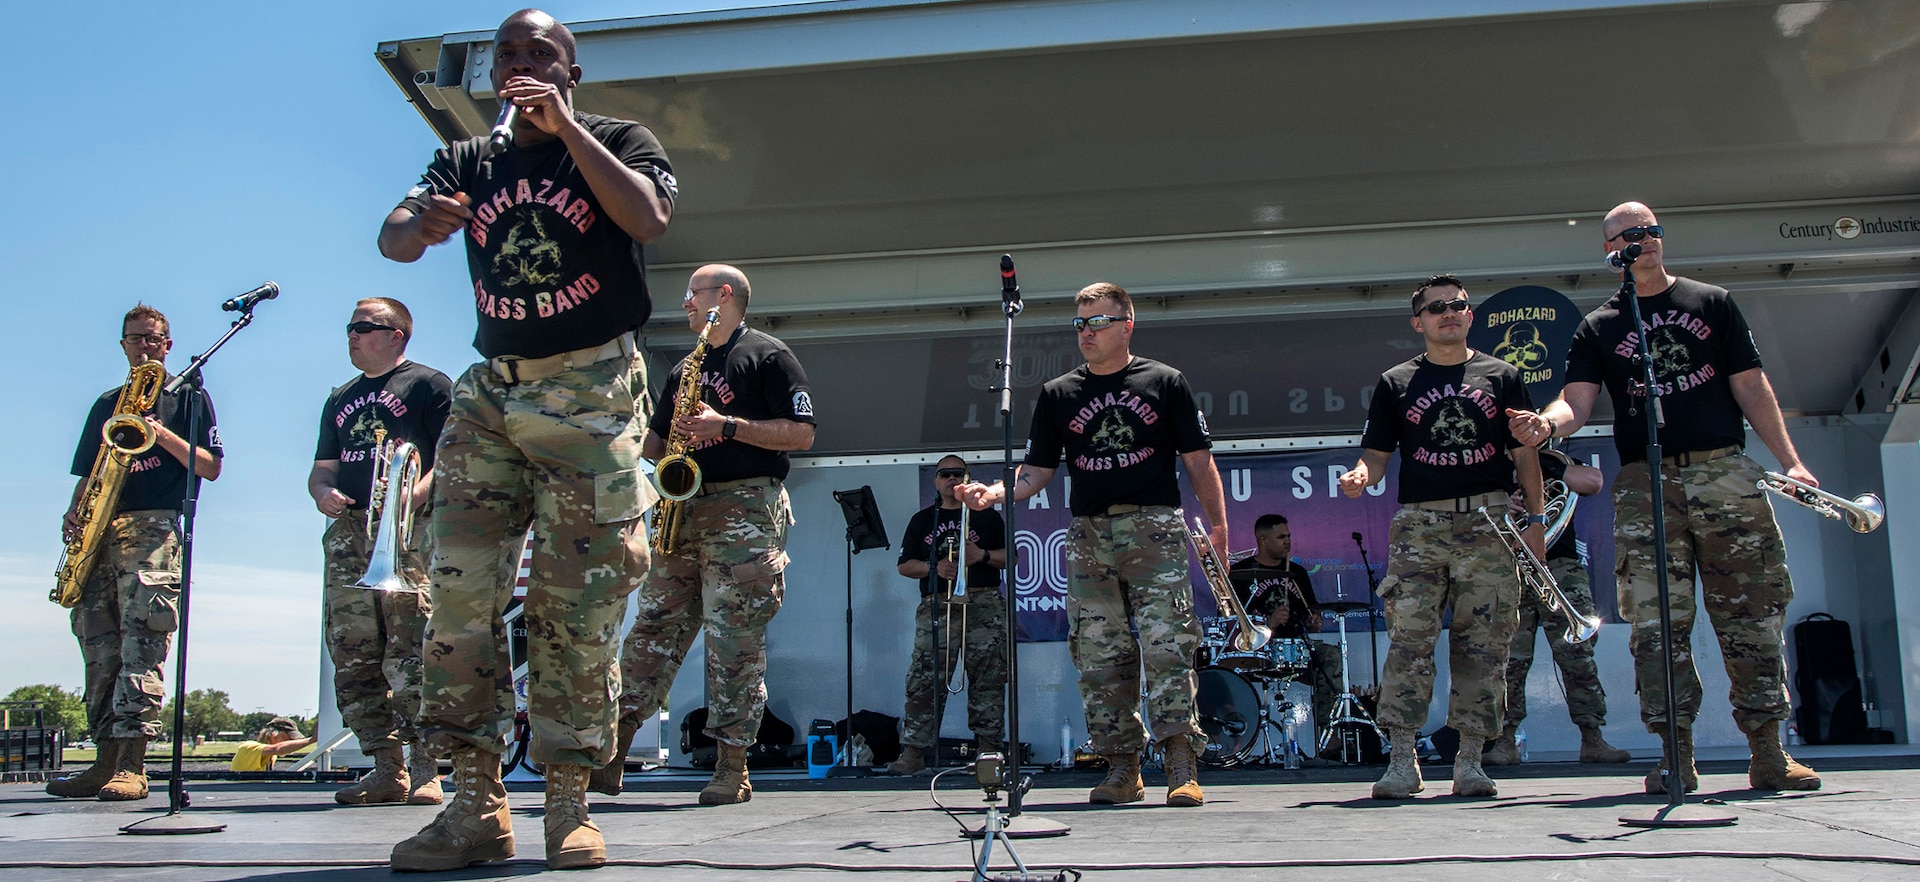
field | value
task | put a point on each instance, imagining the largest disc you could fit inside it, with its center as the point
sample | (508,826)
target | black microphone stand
(187,384)
(1675,813)
(1373,589)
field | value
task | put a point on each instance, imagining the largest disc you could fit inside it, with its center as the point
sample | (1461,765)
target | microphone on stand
(1625,256)
(1358,540)
(503,129)
(246,301)
(1009,287)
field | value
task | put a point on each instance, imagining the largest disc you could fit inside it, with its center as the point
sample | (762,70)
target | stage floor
(1556,821)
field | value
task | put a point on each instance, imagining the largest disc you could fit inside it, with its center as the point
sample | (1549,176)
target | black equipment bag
(882,733)
(1830,709)
(771,749)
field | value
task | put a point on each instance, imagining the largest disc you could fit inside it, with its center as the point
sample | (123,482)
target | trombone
(956,551)
(1863,513)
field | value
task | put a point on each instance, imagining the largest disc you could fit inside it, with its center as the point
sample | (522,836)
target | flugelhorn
(1535,577)
(396,468)
(1863,513)
(1251,636)
(124,436)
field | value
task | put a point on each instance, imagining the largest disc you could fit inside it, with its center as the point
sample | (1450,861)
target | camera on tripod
(988,769)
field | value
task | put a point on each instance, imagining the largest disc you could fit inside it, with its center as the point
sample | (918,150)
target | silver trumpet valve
(1863,514)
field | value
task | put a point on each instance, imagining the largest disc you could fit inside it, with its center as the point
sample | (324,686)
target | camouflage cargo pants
(1125,573)
(559,454)
(373,637)
(1719,524)
(726,577)
(1586,698)
(128,611)
(1441,560)
(984,646)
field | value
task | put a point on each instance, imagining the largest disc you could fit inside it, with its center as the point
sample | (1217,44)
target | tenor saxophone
(124,436)
(677,476)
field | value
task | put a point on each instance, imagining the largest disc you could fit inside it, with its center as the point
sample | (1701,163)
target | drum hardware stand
(187,385)
(1348,714)
(1675,813)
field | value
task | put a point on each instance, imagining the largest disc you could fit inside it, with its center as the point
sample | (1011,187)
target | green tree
(207,713)
(63,709)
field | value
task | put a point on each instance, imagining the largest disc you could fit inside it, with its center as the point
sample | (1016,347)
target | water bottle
(1793,734)
(1066,743)
(1520,743)
(1291,750)
(822,745)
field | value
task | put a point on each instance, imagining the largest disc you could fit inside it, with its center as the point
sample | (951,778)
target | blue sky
(180,155)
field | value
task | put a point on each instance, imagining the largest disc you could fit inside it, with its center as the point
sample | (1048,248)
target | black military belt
(516,370)
(1114,511)
(1695,457)
(711,487)
(1463,504)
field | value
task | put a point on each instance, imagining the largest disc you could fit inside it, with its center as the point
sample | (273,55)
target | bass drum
(1229,711)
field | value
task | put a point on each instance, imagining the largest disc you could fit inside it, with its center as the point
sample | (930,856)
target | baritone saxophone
(124,436)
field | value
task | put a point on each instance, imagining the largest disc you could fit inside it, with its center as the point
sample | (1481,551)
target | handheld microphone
(1009,287)
(503,129)
(246,301)
(1625,256)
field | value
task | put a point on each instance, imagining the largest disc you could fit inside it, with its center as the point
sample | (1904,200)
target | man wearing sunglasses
(373,637)
(1718,523)
(928,552)
(127,610)
(545,432)
(1121,423)
(1444,410)
(726,573)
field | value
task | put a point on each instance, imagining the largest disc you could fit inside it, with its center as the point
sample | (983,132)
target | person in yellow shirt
(279,738)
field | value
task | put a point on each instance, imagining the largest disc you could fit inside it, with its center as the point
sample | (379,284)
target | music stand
(864,531)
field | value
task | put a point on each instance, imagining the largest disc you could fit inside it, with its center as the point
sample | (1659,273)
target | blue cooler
(823,745)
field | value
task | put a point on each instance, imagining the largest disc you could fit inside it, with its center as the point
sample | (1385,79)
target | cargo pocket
(157,600)
(622,496)
(1386,586)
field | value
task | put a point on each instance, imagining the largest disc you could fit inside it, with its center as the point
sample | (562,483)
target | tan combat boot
(388,782)
(86,783)
(1402,779)
(129,779)
(1771,768)
(607,778)
(1468,778)
(1502,751)
(911,762)
(1183,787)
(573,842)
(729,784)
(1690,774)
(423,772)
(474,826)
(1122,784)
(1595,749)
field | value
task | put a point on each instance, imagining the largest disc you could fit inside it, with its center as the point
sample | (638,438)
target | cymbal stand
(1348,714)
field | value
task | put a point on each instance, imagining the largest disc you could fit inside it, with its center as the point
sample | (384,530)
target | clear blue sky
(178,155)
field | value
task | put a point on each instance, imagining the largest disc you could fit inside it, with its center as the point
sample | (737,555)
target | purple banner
(1304,488)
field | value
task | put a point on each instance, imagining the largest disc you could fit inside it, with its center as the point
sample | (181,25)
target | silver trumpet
(1863,513)
(396,468)
(1535,576)
(1251,636)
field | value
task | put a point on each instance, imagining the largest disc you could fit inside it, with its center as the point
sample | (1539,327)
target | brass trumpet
(396,468)
(1251,636)
(1534,575)
(1863,513)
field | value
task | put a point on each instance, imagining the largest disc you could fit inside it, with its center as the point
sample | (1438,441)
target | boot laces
(567,796)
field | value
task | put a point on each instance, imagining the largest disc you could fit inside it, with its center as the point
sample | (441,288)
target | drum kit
(1246,707)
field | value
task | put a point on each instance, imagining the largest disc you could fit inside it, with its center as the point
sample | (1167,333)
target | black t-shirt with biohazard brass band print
(551,271)
(1450,425)
(155,479)
(1120,434)
(752,376)
(1699,340)
(411,402)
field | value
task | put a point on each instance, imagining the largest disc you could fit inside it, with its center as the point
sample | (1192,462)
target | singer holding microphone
(1121,423)
(546,431)
(1718,521)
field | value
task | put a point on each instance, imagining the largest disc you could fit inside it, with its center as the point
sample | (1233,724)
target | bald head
(547,26)
(1627,214)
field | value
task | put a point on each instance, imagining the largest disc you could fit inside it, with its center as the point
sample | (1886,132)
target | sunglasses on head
(951,473)
(1096,322)
(368,328)
(1437,307)
(1635,234)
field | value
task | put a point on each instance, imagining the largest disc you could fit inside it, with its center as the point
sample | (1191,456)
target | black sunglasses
(1635,234)
(1457,304)
(1096,322)
(368,328)
(951,473)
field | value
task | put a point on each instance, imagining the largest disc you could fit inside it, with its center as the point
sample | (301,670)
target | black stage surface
(1556,821)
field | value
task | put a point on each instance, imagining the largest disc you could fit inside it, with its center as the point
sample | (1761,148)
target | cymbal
(1342,607)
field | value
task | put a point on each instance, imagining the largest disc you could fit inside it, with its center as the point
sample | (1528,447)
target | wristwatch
(732,426)
(1537,519)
